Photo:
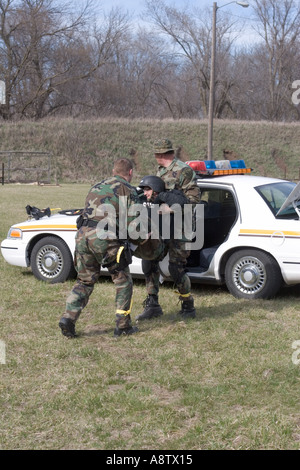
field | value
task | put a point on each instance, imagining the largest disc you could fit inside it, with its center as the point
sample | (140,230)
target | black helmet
(153,182)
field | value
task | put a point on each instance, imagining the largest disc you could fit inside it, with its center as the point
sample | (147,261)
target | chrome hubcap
(249,275)
(49,261)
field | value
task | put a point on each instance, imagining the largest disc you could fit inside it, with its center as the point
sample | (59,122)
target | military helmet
(156,183)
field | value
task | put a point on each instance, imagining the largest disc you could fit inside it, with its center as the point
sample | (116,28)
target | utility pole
(212,76)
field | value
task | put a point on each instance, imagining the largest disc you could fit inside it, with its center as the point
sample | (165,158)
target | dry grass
(84,149)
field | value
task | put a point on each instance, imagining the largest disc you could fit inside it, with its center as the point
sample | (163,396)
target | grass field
(225,380)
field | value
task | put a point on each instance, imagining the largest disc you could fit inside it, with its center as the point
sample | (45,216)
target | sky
(136,7)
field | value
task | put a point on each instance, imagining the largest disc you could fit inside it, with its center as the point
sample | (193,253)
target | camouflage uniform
(177,176)
(91,251)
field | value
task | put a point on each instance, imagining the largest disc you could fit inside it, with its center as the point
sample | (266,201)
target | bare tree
(150,70)
(279,27)
(190,32)
(102,50)
(46,48)
(56,59)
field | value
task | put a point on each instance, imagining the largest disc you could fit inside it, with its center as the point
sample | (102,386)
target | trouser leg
(151,272)
(87,264)
(88,272)
(124,288)
(177,264)
(152,308)
(77,300)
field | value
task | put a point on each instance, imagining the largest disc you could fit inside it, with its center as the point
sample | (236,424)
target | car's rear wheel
(252,274)
(51,260)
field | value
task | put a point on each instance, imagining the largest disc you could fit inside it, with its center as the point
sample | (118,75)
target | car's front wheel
(51,260)
(252,274)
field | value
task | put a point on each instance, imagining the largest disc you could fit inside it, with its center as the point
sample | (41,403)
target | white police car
(251,235)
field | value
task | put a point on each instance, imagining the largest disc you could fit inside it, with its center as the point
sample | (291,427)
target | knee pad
(149,267)
(122,260)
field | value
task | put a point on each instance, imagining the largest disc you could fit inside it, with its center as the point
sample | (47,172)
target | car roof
(240,180)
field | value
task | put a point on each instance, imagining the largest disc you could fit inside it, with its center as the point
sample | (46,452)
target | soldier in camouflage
(179,178)
(96,246)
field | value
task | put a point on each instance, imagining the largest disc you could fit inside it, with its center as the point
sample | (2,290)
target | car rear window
(275,194)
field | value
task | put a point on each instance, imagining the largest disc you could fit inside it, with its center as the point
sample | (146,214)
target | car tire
(51,260)
(252,274)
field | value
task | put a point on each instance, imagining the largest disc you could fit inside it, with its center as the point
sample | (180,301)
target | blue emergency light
(219,167)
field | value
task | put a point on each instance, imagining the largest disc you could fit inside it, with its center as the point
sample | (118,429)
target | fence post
(2,174)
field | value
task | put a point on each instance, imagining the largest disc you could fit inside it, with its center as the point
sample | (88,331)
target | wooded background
(58,61)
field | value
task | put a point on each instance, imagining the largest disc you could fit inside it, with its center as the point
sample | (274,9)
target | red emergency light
(219,167)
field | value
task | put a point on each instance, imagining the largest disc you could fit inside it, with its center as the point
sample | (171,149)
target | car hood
(54,220)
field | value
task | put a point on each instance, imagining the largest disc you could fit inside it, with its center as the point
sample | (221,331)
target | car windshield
(275,194)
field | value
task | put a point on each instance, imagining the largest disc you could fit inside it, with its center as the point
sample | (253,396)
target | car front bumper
(14,252)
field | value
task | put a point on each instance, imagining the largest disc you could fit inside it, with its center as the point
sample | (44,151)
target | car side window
(218,203)
(274,195)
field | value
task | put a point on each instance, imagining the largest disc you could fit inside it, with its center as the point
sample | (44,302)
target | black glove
(79,221)
(174,196)
(37,213)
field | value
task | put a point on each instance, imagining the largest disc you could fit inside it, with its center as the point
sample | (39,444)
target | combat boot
(124,326)
(187,308)
(67,327)
(152,309)
(125,331)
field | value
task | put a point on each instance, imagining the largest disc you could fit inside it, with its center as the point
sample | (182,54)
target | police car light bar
(219,167)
